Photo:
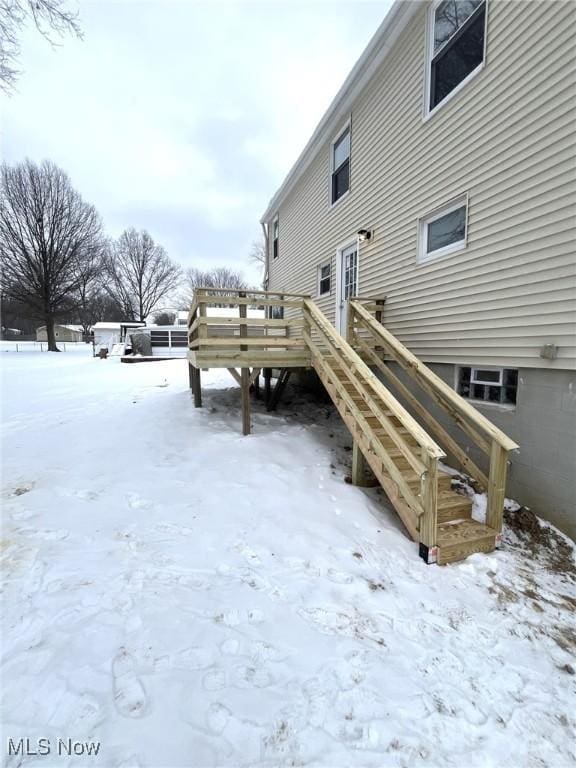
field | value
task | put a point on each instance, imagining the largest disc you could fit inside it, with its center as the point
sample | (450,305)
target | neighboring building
(61,332)
(172,340)
(443,177)
(107,334)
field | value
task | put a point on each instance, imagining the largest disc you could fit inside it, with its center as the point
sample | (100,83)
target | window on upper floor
(324,278)
(490,385)
(456,46)
(340,165)
(275,234)
(444,230)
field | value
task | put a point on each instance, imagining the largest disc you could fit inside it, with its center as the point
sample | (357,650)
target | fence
(41,346)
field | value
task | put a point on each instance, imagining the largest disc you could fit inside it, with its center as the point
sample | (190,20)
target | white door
(348,284)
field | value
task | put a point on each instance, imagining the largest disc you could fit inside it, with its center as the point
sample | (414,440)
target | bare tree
(257,256)
(50,240)
(50,17)
(165,317)
(94,305)
(219,277)
(257,253)
(139,274)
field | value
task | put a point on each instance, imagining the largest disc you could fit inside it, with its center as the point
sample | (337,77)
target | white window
(340,165)
(444,230)
(275,236)
(456,44)
(324,278)
(490,385)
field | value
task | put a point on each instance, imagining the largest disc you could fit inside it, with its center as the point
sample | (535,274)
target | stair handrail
(426,443)
(492,441)
(409,361)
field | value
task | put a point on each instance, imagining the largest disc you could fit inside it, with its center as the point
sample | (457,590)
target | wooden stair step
(459,539)
(453,506)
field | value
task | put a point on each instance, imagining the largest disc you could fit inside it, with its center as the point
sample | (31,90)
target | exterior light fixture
(364,234)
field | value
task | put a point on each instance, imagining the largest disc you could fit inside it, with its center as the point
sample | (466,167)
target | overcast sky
(184,117)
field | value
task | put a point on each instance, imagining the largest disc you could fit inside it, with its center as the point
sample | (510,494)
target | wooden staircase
(401,454)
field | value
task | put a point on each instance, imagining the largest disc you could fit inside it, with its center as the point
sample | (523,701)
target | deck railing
(366,334)
(257,333)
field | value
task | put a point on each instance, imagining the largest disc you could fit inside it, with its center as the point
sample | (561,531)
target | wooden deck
(395,436)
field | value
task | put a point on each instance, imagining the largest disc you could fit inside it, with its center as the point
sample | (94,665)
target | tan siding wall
(507,139)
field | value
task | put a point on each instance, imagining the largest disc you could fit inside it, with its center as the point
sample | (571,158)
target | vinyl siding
(508,141)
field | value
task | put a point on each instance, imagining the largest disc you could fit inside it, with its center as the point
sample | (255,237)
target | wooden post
(429,520)
(378,313)
(196,386)
(358,466)
(350,324)
(267,379)
(245,372)
(496,486)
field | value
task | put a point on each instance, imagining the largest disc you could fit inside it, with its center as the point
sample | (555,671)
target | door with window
(348,284)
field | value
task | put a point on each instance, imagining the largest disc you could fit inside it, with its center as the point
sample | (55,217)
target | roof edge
(395,21)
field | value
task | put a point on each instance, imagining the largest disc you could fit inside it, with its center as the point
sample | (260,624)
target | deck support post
(358,466)
(196,386)
(428,522)
(267,381)
(244,372)
(245,389)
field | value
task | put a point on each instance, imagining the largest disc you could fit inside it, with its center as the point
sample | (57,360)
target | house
(442,182)
(62,333)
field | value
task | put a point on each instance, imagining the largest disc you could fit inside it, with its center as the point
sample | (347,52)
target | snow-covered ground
(189,597)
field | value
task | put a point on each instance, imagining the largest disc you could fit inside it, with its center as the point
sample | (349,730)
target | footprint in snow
(217,717)
(87,495)
(129,693)
(338,577)
(215,680)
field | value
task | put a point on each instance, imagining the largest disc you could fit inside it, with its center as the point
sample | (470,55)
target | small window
(444,230)
(275,234)
(489,385)
(340,162)
(324,278)
(456,46)
(277,313)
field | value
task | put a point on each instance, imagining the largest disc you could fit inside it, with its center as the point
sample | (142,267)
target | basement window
(444,230)
(275,235)
(324,278)
(456,45)
(340,165)
(488,385)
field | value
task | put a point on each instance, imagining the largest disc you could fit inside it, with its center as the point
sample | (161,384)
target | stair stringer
(364,437)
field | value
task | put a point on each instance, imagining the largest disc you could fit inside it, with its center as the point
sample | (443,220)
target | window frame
(490,403)
(427,112)
(319,292)
(347,126)
(275,237)
(474,370)
(424,256)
